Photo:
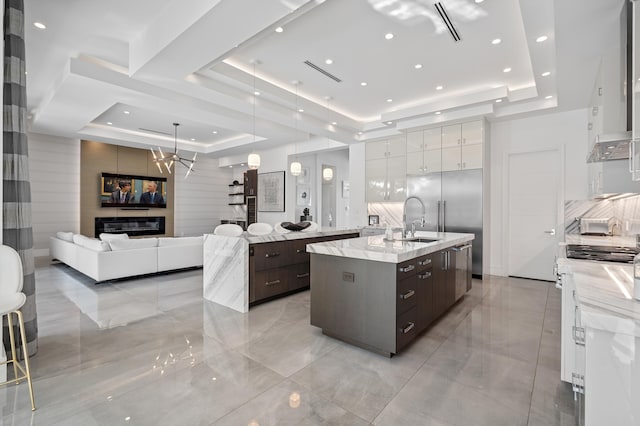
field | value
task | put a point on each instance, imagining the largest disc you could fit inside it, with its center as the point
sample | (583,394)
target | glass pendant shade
(327,174)
(296,168)
(253,161)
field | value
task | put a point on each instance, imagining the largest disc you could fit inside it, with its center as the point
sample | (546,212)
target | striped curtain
(16,203)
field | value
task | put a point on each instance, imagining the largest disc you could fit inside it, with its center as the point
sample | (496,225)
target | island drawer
(270,283)
(407,294)
(424,263)
(406,328)
(299,276)
(269,255)
(406,269)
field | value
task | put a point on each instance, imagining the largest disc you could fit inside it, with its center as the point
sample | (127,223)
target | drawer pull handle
(408,328)
(424,262)
(424,276)
(274,282)
(274,254)
(305,275)
(407,268)
(407,295)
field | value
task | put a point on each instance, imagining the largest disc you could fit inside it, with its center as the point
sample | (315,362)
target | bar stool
(11,300)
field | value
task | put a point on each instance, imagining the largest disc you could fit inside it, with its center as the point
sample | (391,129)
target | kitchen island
(248,269)
(601,339)
(380,294)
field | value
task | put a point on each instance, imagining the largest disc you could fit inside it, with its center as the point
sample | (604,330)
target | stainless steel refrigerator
(453,203)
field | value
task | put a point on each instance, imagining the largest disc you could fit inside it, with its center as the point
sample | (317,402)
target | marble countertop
(604,291)
(596,240)
(378,249)
(275,236)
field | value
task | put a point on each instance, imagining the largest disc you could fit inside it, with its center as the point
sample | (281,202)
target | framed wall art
(271,192)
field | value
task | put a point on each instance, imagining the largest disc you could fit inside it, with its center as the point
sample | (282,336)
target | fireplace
(148,225)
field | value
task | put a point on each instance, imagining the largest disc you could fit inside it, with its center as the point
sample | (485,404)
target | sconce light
(296,168)
(327,173)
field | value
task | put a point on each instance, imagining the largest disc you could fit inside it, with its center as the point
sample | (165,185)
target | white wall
(564,131)
(358,215)
(54,166)
(201,199)
(340,160)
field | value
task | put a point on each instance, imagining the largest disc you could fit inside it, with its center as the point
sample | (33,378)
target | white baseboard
(500,271)
(41,252)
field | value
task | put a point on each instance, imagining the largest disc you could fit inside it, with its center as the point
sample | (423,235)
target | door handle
(550,232)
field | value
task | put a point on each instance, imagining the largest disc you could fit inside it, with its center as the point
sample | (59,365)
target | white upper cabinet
(385,170)
(414,141)
(451,136)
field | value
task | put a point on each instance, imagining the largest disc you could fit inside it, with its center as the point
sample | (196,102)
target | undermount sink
(420,240)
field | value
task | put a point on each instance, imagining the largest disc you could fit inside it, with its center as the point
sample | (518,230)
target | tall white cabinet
(385,170)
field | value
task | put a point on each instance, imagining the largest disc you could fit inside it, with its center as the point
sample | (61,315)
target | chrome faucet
(404,217)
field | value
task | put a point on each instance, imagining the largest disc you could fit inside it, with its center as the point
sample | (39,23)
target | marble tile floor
(152,351)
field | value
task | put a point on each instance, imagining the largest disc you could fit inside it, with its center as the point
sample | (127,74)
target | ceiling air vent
(154,131)
(325,72)
(447,21)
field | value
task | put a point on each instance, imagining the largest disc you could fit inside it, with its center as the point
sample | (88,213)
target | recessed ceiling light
(496,41)
(389,100)
(364,83)
(26,73)
(256,93)
(438,112)
(388,36)
(333,123)
(548,97)
(215,132)
(389,122)
(479,1)
(242,164)
(279,29)
(109,123)
(230,167)
(359,133)
(611,147)
(439,87)
(328,61)
(193,139)
(417,66)
(546,74)
(541,39)
(300,110)
(506,69)
(498,100)
(126,112)
(607,153)
(40,25)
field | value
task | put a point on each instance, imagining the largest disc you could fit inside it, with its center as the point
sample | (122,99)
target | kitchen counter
(378,249)
(597,240)
(226,263)
(604,292)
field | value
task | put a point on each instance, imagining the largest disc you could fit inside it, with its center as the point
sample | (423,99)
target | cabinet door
(270,283)
(376,175)
(451,135)
(432,138)
(471,156)
(432,161)
(298,276)
(397,147)
(396,178)
(472,132)
(426,302)
(376,150)
(415,164)
(414,141)
(451,159)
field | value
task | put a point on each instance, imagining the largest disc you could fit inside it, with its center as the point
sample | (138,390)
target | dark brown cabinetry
(251,183)
(281,267)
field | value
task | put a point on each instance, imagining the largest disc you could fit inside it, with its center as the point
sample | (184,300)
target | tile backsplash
(388,212)
(626,211)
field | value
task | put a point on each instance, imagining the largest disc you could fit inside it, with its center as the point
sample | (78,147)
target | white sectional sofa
(121,258)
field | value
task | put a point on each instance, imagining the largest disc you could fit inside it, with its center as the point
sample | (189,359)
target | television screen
(118,190)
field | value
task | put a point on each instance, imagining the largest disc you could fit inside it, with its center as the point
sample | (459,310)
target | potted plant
(305,215)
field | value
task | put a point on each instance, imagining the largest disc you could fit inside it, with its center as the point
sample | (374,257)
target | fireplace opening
(132,226)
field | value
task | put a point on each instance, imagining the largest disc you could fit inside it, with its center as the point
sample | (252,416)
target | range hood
(610,146)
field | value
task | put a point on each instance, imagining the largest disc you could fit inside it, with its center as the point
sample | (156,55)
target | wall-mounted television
(119,190)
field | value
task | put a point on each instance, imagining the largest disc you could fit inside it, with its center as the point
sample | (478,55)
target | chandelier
(169,159)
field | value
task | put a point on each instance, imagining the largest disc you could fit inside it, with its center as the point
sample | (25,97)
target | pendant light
(253,160)
(296,166)
(168,160)
(327,173)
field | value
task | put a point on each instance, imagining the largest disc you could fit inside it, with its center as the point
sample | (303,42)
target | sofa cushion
(129,244)
(110,237)
(91,243)
(180,241)
(67,236)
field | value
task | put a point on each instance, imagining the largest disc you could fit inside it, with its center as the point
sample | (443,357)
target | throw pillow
(110,237)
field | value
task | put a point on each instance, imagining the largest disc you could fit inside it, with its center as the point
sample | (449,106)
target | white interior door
(534,179)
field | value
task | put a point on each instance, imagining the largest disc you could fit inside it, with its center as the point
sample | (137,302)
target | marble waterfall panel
(226,260)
